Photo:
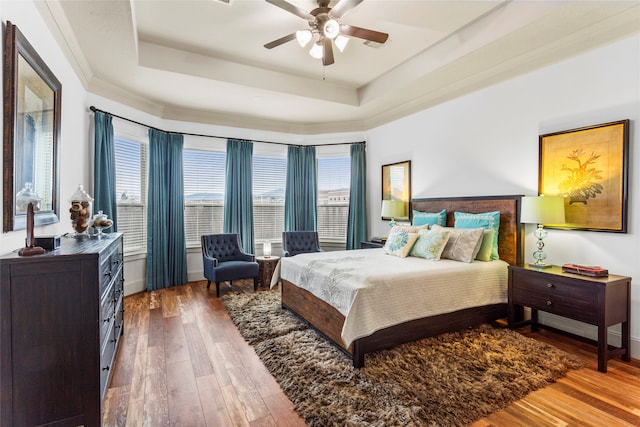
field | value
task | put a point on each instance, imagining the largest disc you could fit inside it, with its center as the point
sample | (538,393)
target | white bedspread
(374,290)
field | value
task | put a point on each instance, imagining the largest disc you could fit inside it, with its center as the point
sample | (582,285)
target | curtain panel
(301,193)
(166,247)
(104,168)
(357,222)
(238,194)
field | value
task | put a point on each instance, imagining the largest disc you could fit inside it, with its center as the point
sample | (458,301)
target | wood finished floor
(182,362)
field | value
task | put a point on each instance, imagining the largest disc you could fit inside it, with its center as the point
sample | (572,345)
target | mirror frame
(15,45)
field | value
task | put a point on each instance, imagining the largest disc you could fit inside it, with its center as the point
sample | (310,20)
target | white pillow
(463,244)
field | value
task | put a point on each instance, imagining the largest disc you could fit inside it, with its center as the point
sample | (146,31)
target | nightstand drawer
(555,302)
(555,287)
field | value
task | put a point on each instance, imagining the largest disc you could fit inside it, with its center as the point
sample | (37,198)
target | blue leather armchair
(299,242)
(225,260)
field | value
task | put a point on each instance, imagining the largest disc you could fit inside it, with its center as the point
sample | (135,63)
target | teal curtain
(357,222)
(166,246)
(301,193)
(104,168)
(238,192)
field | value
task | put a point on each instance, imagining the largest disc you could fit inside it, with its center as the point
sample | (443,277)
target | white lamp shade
(542,210)
(317,51)
(392,209)
(341,42)
(266,249)
(331,29)
(303,37)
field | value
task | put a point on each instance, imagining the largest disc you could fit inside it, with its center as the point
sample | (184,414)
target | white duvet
(373,290)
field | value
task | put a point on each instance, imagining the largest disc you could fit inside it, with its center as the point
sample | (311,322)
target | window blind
(334,181)
(269,182)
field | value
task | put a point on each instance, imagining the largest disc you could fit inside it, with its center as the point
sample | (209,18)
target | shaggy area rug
(449,380)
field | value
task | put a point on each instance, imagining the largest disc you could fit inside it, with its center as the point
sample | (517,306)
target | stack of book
(585,270)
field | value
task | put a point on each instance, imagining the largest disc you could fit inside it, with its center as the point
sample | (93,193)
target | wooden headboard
(510,234)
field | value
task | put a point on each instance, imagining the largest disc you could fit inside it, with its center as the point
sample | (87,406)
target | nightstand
(599,301)
(266,267)
(370,245)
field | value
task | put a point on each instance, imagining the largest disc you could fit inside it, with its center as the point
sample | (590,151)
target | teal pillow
(487,220)
(430,244)
(430,218)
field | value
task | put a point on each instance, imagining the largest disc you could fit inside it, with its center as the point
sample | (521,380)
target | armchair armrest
(209,260)
(243,256)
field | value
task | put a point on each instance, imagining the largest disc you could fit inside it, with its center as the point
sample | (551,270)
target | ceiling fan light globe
(331,29)
(303,37)
(317,51)
(341,42)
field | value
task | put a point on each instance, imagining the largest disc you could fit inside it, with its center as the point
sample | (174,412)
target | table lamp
(392,209)
(266,249)
(541,210)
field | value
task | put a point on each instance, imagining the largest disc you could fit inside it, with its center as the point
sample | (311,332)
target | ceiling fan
(325,28)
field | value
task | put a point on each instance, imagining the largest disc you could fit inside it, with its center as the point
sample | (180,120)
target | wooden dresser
(61,317)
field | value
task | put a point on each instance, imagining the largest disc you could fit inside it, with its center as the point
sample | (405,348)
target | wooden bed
(328,321)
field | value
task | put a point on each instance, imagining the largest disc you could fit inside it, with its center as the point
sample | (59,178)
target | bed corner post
(358,355)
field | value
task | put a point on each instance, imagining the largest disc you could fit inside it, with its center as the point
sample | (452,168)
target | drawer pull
(106,368)
(548,303)
(107,320)
(108,273)
(549,285)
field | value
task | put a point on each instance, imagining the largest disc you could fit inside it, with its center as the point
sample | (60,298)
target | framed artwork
(396,187)
(589,166)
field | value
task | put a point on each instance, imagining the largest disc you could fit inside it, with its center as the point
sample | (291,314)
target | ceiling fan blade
(327,51)
(280,41)
(291,8)
(363,33)
(344,6)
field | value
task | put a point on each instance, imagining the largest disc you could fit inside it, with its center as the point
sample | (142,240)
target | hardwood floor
(182,362)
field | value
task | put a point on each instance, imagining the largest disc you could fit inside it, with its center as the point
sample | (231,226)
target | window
(131,176)
(334,182)
(204,180)
(269,183)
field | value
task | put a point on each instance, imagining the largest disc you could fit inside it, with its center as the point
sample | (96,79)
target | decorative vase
(81,206)
(100,222)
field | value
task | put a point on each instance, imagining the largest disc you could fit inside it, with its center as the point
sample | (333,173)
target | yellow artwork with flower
(589,167)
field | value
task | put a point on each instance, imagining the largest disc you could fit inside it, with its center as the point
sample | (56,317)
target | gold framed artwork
(396,186)
(589,166)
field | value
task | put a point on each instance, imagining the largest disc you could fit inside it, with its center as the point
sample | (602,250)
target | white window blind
(334,182)
(269,183)
(204,180)
(131,175)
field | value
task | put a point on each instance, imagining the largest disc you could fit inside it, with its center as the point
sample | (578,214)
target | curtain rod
(94,109)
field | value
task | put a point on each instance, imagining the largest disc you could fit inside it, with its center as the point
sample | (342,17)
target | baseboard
(133,287)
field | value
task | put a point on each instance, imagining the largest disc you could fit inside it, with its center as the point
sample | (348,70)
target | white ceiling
(204,60)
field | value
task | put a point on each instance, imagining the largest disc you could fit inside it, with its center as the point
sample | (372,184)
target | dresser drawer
(107,314)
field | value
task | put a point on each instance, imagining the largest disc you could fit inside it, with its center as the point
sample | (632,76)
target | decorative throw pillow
(400,243)
(489,220)
(486,246)
(407,228)
(430,244)
(430,218)
(463,244)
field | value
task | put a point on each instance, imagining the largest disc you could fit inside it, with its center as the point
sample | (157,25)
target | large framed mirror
(32,99)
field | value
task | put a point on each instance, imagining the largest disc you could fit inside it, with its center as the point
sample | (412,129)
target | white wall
(486,143)
(74,144)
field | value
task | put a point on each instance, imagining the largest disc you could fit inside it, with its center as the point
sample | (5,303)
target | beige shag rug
(449,380)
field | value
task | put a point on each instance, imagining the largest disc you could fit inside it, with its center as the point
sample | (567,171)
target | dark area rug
(449,380)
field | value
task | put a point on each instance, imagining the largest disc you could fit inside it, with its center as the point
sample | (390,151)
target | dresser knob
(549,285)
(106,368)
(108,319)
(548,302)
